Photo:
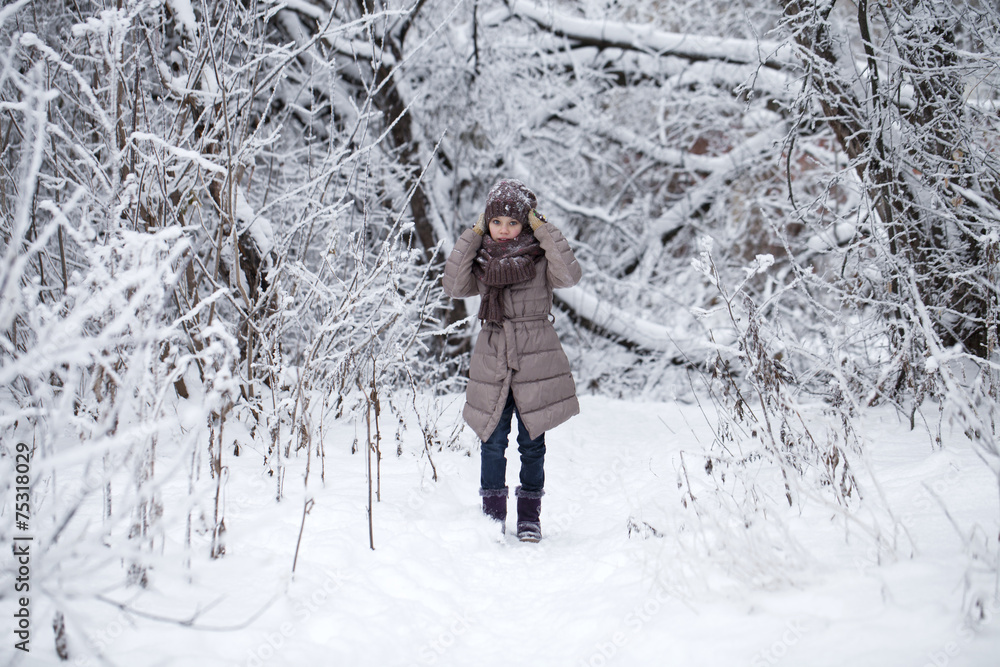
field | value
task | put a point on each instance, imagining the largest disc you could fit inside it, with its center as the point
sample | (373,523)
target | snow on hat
(512,198)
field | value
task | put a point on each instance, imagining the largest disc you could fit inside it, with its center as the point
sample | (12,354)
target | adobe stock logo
(985,612)
(773,654)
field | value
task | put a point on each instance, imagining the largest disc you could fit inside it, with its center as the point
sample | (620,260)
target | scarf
(500,264)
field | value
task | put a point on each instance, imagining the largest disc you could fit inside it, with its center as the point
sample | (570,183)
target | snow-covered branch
(624,326)
(647,38)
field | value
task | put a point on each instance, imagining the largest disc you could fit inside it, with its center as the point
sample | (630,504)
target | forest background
(223,225)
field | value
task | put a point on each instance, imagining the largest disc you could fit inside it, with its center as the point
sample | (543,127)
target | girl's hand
(535,219)
(480,226)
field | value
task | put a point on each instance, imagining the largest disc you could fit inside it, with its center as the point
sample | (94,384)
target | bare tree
(912,126)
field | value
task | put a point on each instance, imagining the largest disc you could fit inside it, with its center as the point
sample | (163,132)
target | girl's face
(504,228)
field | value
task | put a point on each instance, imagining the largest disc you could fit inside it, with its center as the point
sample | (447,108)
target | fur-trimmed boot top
(495,505)
(529,507)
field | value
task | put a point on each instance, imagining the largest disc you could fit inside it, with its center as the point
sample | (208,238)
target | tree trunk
(899,177)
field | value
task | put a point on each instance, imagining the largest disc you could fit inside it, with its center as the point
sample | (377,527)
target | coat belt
(513,360)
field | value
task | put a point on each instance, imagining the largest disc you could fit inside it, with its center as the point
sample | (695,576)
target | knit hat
(512,198)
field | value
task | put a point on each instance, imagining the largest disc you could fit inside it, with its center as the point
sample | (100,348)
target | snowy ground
(440,588)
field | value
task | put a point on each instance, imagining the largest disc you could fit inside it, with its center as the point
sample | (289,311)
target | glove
(480,226)
(535,219)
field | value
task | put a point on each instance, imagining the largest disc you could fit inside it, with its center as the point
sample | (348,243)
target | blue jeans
(493,473)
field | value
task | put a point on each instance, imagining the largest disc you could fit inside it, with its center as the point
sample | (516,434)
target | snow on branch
(719,170)
(191,155)
(749,150)
(620,324)
(646,38)
(338,35)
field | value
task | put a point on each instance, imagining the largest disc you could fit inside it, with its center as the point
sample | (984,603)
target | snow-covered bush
(93,351)
(197,258)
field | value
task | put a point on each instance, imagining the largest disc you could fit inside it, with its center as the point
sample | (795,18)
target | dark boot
(529,507)
(495,505)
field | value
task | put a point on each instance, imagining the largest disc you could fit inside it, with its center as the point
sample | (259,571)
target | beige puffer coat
(524,354)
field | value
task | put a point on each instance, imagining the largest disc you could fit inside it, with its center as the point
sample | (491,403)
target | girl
(512,258)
